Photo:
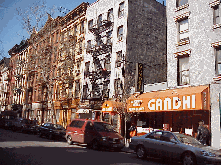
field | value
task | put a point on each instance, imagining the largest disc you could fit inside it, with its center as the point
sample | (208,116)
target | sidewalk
(127,149)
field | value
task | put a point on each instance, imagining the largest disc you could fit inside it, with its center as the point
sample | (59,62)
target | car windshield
(103,127)
(57,126)
(187,139)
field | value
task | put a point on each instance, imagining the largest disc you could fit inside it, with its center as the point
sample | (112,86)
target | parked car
(52,131)
(21,124)
(34,129)
(180,147)
(7,122)
(94,133)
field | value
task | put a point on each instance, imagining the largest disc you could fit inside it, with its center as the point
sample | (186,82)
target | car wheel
(95,145)
(189,159)
(141,152)
(69,140)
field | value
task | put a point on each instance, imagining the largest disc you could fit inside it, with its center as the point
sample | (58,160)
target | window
(80,46)
(82,27)
(119,58)
(77,123)
(89,126)
(218,60)
(107,64)
(109,37)
(121,9)
(216,19)
(110,15)
(77,89)
(89,44)
(120,33)
(75,30)
(183,30)
(155,135)
(90,24)
(183,71)
(181,2)
(100,20)
(87,69)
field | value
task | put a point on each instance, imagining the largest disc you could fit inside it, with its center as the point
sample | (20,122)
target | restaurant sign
(161,101)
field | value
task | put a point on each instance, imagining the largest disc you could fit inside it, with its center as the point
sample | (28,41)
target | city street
(25,149)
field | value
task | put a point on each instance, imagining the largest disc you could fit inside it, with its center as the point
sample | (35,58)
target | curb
(127,150)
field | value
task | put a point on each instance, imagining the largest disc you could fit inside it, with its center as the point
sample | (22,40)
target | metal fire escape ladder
(96,52)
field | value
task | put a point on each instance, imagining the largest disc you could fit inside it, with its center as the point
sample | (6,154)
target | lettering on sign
(159,104)
(107,109)
(173,103)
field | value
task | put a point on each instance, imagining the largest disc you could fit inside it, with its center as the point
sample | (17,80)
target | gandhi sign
(172,103)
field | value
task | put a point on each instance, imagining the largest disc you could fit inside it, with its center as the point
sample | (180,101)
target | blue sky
(11,31)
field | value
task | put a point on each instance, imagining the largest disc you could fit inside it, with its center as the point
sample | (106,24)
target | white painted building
(194,50)
(135,32)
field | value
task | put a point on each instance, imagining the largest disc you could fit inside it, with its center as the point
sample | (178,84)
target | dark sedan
(175,146)
(52,131)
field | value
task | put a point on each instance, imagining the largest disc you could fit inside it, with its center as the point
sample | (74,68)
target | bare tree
(38,66)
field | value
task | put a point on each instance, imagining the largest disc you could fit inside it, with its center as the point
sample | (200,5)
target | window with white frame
(110,15)
(100,18)
(120,33)
(183,29)
(217,13)
(119,58)
(121,9)
(181,2)
(183,71)
(218,60)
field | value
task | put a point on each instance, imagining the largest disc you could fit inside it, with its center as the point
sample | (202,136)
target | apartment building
(17,77)
(54,57)
(125,50)
(194,60)
(4,75)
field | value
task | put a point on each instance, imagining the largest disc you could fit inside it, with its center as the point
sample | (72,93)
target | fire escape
(99,77)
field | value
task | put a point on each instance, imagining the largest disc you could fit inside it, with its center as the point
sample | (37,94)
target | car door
(77,131)
(170,147)
(45,129)
(89,132)
(152,143)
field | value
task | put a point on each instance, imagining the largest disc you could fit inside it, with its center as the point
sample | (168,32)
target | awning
(187,98)
(110,106)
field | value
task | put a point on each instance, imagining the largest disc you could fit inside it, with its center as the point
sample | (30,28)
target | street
(21,149)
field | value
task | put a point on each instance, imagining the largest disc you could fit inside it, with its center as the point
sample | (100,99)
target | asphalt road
(25,149)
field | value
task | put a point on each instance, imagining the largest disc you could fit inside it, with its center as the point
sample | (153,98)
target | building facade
(4,67)
(193,55)
(17,77)
(125,49)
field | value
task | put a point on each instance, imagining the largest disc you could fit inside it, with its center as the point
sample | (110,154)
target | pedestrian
(132,130)
(203,133)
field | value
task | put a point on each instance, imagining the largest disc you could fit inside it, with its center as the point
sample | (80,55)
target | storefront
(177,110)
(113,113)
(65,111)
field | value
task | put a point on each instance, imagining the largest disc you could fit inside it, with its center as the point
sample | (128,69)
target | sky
(11,31)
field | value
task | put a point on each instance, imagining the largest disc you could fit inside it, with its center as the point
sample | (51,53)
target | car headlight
(210,154)
(103,139)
